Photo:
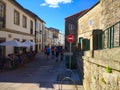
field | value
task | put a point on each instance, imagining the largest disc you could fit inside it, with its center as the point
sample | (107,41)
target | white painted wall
(9,49)
(39,27)
(11,26)
(61,39)
(10,18)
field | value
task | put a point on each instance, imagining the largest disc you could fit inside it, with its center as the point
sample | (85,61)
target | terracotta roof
(77,14)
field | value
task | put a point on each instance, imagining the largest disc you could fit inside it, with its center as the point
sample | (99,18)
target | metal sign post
(70,39)
(70,57)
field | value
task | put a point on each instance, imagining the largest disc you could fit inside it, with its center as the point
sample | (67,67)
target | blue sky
(53,12)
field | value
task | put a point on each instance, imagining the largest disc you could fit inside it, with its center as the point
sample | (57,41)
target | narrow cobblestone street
(40,74)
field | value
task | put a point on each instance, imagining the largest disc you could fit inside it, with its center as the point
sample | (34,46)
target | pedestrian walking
(57,53)
(61,53)
(48,52)
(45,50)
(53,51)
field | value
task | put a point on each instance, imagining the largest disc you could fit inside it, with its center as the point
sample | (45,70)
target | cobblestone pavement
(40,74)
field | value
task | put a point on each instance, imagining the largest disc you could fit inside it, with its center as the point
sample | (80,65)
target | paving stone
(39,74)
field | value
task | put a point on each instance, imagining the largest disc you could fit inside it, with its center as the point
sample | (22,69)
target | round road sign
(70,38)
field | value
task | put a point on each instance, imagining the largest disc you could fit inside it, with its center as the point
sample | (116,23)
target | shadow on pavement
(38,73)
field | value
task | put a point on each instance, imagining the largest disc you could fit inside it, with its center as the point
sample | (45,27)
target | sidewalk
(40,74)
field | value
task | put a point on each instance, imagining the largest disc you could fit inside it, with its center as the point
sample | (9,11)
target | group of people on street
(56,52)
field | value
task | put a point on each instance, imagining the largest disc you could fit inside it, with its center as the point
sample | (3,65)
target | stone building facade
(39,31)
(102,67)
(88,23)
(53,37)
(40,27)
(71,27)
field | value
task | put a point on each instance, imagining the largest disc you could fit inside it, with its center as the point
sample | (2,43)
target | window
(1,14)
(90,22)
(71,28)
(24,22)
(116,35)
(1,10)
(31,27)
(16,17)
(36,24)
(86,44)
(105,39)
(112,36)
(40,28)
(81,26)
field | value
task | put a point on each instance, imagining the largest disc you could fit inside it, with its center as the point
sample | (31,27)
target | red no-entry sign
(70,38)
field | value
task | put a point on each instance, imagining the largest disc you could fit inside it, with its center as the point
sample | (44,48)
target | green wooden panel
(80,39)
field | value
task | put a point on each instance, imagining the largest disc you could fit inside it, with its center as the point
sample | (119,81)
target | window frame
(105,31)
(111,36)
(16,17)
(31,27)
(2,17)
(24,21)
(90,22)
(71,27)
(118,34)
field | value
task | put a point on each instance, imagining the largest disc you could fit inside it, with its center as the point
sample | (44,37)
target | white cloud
(55,3)
(43,4)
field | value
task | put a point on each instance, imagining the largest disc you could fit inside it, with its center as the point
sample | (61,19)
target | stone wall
(71,20)
(87,23)
(93,16)
(97,77)
(102,67)
(110,13)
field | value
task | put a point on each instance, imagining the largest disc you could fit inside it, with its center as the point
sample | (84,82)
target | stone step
(67,87)
(47,89)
